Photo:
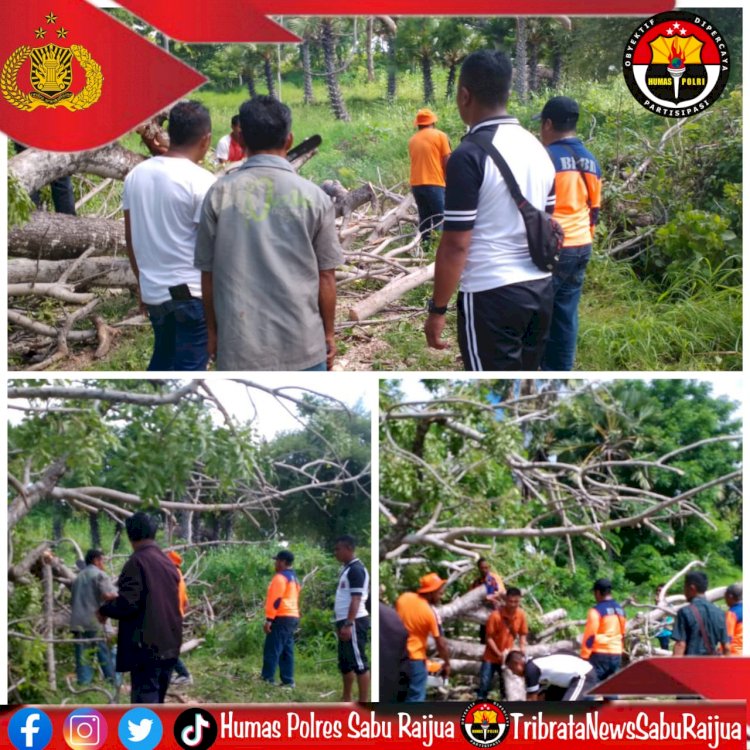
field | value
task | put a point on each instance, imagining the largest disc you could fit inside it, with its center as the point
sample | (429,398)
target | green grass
(628,322)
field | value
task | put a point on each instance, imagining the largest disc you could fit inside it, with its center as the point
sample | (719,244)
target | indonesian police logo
(485,723)
(676,64)
(50,73)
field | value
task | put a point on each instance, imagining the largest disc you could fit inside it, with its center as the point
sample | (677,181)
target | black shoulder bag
(544,235)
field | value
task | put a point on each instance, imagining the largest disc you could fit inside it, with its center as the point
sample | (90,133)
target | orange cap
(425,117)
(430,582)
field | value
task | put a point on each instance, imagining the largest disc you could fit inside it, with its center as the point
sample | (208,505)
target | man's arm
(133,261)
(273,600)
(444,653)
(207,293)
(345,631)
(679,648)
(449,264)
(589,633)
(327,305)
(522,643)
(130,597)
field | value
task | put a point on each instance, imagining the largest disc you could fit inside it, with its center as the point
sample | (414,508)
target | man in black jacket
(150,632)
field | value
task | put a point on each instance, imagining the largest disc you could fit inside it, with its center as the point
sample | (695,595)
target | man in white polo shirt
(162,201)
(557,677)
(505,300)
(352,619)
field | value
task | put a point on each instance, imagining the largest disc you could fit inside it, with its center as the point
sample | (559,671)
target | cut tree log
(93,272)
(34,168)
(345,201)
(51,236)
(393,217)
(391,292)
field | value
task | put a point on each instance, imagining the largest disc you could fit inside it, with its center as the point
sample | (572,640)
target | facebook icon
(30,729)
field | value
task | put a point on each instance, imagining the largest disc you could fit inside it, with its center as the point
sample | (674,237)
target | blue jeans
(430,200)
(417,681)
(180,336)
(149,681)
(84,653)
(487,674)
(605,665)
(567,281)
(278,650)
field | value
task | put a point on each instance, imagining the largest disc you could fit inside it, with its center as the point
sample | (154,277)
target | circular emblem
(485,724)
(676,64)
(195,729)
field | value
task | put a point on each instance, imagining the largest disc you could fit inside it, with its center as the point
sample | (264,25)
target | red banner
(687,725)
(74,78)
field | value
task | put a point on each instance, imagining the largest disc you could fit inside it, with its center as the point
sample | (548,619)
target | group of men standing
(700,629)
(240,269)
(512,314)
(352,620)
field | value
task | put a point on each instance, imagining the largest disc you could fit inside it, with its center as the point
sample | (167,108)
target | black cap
(603,585)
(286,556)
(562,110)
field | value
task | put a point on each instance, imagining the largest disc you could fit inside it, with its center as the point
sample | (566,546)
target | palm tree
(521,76)
(307,30)
(335,97)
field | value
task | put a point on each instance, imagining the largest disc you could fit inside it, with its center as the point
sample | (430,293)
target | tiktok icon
(195,729)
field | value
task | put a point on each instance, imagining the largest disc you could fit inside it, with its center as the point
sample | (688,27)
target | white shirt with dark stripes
(477,199)
(353,580)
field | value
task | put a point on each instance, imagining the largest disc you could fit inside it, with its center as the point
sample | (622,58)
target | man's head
(515,661)
(236,130)
(95,557)
(266,125)
(343,548)
(284,559)
(559,118)
(733,594)
(696,584)
(189,129)
(483,567)
(431,587)
(483,85)
(602,589)
(425,118)
(512,599)
(140,527)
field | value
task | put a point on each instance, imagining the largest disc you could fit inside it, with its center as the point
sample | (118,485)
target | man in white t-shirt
(505,300)
(231,147)
(352,619)
(557,677)
(162,201)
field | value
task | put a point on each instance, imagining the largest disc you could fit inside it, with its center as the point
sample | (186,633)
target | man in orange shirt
(429,150)
(733,598)
(505,626)
(282,618)
(181,674)
(421,621)
(578,185)
(604,634)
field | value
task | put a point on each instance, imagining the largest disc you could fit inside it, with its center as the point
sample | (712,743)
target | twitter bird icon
(140,729)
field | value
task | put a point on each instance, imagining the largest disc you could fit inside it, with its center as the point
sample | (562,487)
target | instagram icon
(85,729)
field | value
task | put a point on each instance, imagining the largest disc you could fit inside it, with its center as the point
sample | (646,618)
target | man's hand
(212,342)
(330,350)
(102,618)
(109,596)
(345,633)
(266,627)
(433,330)
(446,670)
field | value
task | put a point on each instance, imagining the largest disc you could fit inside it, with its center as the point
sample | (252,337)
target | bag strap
(706,641)
(484,141)
(580,172)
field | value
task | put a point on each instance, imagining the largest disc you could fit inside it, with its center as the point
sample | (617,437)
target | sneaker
(182,680)
(288,685)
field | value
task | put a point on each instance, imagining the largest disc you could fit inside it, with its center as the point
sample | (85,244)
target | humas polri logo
(485,723)
(676,64)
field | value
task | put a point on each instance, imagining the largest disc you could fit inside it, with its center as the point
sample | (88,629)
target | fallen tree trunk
(393,217)
(34,168)
(463,604)
(52,236)
(473,651)
(390,292)
(345,201)
(92,272)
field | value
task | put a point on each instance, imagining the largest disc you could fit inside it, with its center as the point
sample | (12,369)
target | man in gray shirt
(268,248)
(91,588)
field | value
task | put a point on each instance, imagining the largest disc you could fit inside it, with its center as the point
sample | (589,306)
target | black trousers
(150,680)
(505,328)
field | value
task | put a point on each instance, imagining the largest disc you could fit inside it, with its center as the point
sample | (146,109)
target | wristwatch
(433,308)
(348,623)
